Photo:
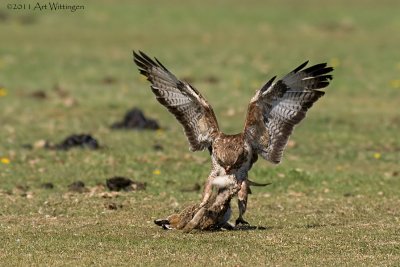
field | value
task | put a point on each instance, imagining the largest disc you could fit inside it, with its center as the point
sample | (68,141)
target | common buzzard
(271,116)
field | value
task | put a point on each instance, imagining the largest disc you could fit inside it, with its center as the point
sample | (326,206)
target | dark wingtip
(318,69)
(268,84)
(142,53)
(136,57)
(145,56)
(271,80)
(300,67)
(160,64)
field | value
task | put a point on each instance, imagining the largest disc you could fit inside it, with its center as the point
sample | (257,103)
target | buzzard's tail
(251,183)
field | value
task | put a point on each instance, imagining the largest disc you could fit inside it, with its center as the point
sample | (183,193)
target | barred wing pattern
(278,107)
(182,100)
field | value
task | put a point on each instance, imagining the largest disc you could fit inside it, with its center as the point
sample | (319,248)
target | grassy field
(334,200)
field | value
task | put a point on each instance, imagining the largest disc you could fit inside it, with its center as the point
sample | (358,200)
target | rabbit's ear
(160,222)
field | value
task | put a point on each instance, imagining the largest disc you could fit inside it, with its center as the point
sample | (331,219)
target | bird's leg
(242,201)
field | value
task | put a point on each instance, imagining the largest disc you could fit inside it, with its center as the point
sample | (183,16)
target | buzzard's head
(229,152)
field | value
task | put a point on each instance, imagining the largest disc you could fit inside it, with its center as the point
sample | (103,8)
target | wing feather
(182,100)
(278,107)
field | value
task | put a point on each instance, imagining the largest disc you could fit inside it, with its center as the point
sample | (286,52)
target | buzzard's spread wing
(278,107)
(182,100)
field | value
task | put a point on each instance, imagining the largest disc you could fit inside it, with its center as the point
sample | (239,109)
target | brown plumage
(272,114)
(211,216)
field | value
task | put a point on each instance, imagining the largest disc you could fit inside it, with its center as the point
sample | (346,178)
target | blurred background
(65,72)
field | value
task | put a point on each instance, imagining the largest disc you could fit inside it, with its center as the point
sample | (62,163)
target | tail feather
(251,183)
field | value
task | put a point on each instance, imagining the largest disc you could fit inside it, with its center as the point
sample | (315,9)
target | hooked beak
(228,169)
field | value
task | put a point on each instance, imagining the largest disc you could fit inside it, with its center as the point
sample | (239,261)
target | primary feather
(278,107)
(182,100)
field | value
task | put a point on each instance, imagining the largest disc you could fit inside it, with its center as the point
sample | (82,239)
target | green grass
(334,200)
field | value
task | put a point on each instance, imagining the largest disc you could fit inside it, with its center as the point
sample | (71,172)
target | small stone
(135,119)
(78,187)
(78,140)
(158,147)
(39,94)
(47,186)
(118,183)
(112,206)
